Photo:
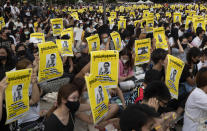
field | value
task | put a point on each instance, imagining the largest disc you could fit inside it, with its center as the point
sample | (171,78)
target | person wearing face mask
(197,41)
(126,73)
(21,52)
(203,61)
(25,36)
(125,38)
(6,61)
(63,117)
(6,40)
(106,42)
(77,35)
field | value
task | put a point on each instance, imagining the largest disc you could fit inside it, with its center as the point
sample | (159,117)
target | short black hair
(158,54)
(192,53)
(199,30)
(201,77)
(151,75)
(135,116)
(157,89)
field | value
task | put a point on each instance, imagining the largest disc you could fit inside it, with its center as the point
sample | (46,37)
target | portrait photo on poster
(142,50)
(17,92)
(99,94)
(159,38)
(199,25)
(56,26)
(117,42)
(104,68)
(51,60)
(94,46)
(64,45)
(173,74)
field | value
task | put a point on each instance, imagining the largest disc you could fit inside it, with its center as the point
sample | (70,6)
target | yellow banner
(117,40)
(104,67)
(122,24)
(150,24)
(142,51)
(113,14)
(199,23)
(50,64)
(2,23)
(159,35)
(75,15)
(40,37)
(176,17)
(93,43)
(57,26)
(98,99)
(65,47)
(132,14)
(17,94)
(168,14)
(69,33)
(189,19)
(174,70)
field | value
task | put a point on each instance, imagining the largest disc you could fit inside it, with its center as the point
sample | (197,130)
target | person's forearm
(84,107)
(1,104)
(35,94)
(121,96)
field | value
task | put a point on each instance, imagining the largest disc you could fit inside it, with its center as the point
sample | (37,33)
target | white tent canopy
(140,2)
(148,2)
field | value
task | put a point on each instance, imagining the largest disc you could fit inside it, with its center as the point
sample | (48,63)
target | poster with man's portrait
(104,68)
(99,95)
(94,46)
(50,60)
(56,26)
(142,50)
(173,74)
(17,92)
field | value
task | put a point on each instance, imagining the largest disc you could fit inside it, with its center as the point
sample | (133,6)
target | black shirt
(54,124)
(81,62)
(4,127)
(7,42)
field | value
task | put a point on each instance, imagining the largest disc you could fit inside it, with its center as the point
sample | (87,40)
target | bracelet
(157,127)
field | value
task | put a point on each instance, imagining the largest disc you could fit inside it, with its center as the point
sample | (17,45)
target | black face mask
(73,106)
(3,58)
(21,53)
(184,46)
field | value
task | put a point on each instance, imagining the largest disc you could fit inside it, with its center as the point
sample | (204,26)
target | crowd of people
(156,111)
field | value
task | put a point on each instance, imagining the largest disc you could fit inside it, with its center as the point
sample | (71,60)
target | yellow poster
(90,8)
(145,13)
(189,19)
(142,51)
(117,40)
(174,70)
(2,22)
(98,97)
(93,43)
(168,14)
(132,14)
(121,8)
(111,20)
(50,64)
(177,17)
(159,35)
(122,24)
(113,14)
(69,33)
(17,94)
(104,67)
(199,22)
(57,26)
(65,47)
(150,24)
(40,37)
(75,15)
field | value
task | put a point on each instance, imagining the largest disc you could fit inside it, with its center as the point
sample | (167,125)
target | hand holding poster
(98,99)
(65,47)
(57,26)
(159,35)
(2,22)
(50,64)
(17,94)
(40,37)
(142,51)
(101,67)
(122,24)
(117,40)
(69,33)
(93,43)
(174,70)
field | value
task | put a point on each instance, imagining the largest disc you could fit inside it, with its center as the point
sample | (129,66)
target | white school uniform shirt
(196,106)
(196,42)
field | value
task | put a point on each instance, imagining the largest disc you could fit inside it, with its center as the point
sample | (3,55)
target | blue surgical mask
(105,40)
(26,32)
(126,41)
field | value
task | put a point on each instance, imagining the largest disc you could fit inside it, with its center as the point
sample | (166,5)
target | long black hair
(127,52)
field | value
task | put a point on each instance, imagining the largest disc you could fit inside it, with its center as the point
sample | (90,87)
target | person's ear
(64,101)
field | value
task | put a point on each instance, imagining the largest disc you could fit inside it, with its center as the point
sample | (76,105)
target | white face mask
(124,61)
(30,25)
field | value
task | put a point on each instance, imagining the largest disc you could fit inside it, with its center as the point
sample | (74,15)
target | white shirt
(180,33)
(201,64)
(78,33)
(196,42)
(196,106)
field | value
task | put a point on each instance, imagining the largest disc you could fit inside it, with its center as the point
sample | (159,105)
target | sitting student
(130,118)
(126,73)
(32,116)
(203,62)
(158,56)
(196,105)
